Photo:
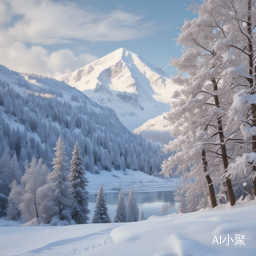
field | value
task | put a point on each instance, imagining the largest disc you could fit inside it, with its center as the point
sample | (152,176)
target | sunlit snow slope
(137,90)
(157,129)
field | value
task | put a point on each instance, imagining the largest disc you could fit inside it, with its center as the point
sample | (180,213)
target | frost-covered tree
(3,202)
(122,164)
(3,196)
(78,183)
(61,195)
(5,168)
(238,48)
(14,169)
(164,209)
(134,164)
(182,206)
(132,210)
(106,143)
(4,182)
(14,200)
(101,209)
(142,217)
(201,107)
(35,202)
(120,209)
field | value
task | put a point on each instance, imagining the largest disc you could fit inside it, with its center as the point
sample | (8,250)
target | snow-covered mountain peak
(126,82)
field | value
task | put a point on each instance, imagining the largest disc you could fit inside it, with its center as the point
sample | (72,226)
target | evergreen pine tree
(142,217)
(123,167)
(4,183)
(61,195)
(101,209)
(5,167)
(135,164)
(14,169)
(78,183)
(132,211)
(120,209)
(3,200)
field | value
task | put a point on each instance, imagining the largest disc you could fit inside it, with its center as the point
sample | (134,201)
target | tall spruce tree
(78,183)
(120,209)
(14,169)
(101,209)
(61,195)
(132,211)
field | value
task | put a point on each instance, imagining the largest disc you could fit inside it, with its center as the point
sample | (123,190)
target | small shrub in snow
(164,209)
(142,217)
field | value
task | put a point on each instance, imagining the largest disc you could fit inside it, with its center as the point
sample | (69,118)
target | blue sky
(52,37)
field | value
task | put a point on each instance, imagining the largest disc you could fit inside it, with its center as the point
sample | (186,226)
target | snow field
(50,240)
(113,181)
(188,234)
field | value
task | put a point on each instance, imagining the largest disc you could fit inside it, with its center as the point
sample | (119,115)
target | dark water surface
(149,202)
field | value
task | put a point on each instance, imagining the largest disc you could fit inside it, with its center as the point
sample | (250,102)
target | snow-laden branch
(241,166)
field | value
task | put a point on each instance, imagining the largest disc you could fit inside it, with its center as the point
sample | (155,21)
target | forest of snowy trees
(60,197)
(32,121)
(32,118)
(104,141)
(214,112)
(42,196)
(125,211)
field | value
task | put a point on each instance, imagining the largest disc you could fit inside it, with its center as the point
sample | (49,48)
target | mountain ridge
(136,89)
(35,110)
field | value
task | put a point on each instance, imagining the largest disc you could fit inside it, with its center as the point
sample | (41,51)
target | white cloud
(5,12)
(47,22)
(38,60)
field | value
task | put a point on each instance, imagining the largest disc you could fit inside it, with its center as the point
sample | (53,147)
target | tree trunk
(36,206)
(209,181)
(224,155)
(252,68)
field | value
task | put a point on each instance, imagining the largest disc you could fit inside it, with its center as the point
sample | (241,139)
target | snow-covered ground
(157,129)
(113,181)
(191,234)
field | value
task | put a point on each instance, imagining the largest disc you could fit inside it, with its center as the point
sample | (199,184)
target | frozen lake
(149,202)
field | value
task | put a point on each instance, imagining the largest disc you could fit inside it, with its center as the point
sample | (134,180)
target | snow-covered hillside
(35,110)
(222,231)
(157,129)
(116,180)
(134,88)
